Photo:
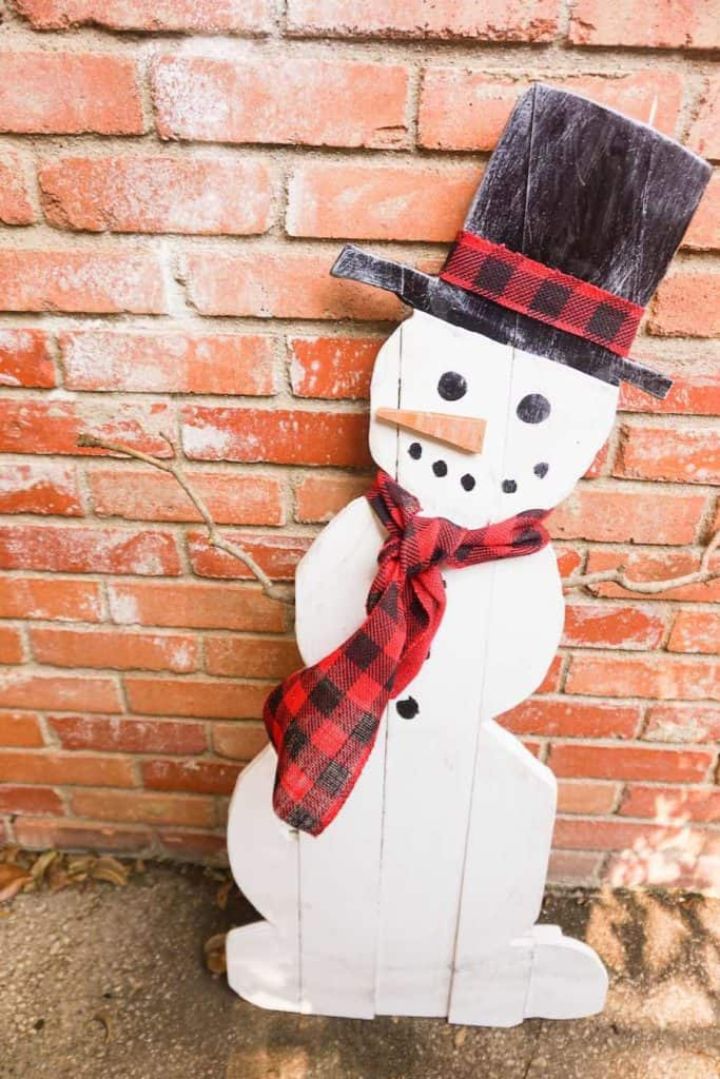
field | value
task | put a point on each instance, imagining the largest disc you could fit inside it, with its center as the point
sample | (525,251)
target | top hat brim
(437,297)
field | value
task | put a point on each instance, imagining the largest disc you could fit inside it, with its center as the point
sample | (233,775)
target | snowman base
(540,975)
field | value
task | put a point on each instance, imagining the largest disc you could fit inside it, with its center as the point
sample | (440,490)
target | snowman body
(421,897)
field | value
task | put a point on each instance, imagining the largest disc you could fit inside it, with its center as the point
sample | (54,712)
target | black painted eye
(541,469)
(534,408)
(452,386)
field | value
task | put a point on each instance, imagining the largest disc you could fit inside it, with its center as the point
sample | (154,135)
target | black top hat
(570,233)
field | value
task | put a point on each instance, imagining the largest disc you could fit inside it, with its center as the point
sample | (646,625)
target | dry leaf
(105,1019)
(110,870)
(214,950)
(42,864)
(223,894)
(12,880)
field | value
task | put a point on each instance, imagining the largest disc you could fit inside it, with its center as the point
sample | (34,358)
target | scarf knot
(323,720)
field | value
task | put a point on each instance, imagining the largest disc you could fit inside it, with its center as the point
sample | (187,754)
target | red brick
(380,201)
(36,426)
(118,649)
(200,776)
(654,565)
(663,24)
(332,367)
(682,455)
(687,305)
(168,362)
(280,436)
(55,599)
(240,741)
(193,697)
(15,205)
(464,109)
(614,515)
(574,867)
(148,495)
(683,723)
(576,834)
(139,807)
(44,834)
(195,606)
(251,657)
(570,560)
(45,487)
(115,734)
(599,465)
(695,631)
(157,193)
(631,762)
(25,359)
(319,498)
(74,768)
(704,136)
(210,16)
(194,846)
(89,550)
(568,718)
(63,692)
(56,93)
(11,648)
(553,679)
(278,555)
(314,101)
(281,284)
(30,800)
(704,231)
(90,282)
(695,391)
(658,677)
(671,805)
(494,20)
(603,625)
(591,799)
(20,729)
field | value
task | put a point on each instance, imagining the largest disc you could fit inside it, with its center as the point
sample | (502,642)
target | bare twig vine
(215,538)
(701,575)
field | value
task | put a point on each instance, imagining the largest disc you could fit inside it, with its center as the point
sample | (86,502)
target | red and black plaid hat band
(521,284)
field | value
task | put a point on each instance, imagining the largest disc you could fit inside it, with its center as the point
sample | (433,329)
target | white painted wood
(420,898)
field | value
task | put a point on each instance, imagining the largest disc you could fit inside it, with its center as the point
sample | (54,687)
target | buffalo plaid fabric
(522,284)
(323,720)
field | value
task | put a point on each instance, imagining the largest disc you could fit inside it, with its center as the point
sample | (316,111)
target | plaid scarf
(323,720)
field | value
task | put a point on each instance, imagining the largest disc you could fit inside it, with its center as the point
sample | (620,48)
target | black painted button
(534,408)
(408,708)
(541,469)
(440,468)
(452,386)
(415,451)
(509,487)
(467,481)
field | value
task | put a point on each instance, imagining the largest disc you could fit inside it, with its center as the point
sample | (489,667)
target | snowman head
(527,428)
(526,332)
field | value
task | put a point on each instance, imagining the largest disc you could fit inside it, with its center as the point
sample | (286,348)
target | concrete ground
(110,983)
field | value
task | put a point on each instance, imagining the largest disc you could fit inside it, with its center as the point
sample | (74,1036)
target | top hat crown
(568,236)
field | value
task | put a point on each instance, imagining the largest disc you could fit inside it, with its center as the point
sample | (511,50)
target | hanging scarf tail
(323,720)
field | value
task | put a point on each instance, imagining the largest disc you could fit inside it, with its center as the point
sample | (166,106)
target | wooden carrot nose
(463,432)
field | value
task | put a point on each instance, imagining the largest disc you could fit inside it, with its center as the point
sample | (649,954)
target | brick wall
(161,162)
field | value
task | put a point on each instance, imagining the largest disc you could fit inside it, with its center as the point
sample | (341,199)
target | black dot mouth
(467,481)
(440,468)
(509,487)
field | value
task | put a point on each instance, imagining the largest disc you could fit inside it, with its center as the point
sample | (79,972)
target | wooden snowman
(407,872)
